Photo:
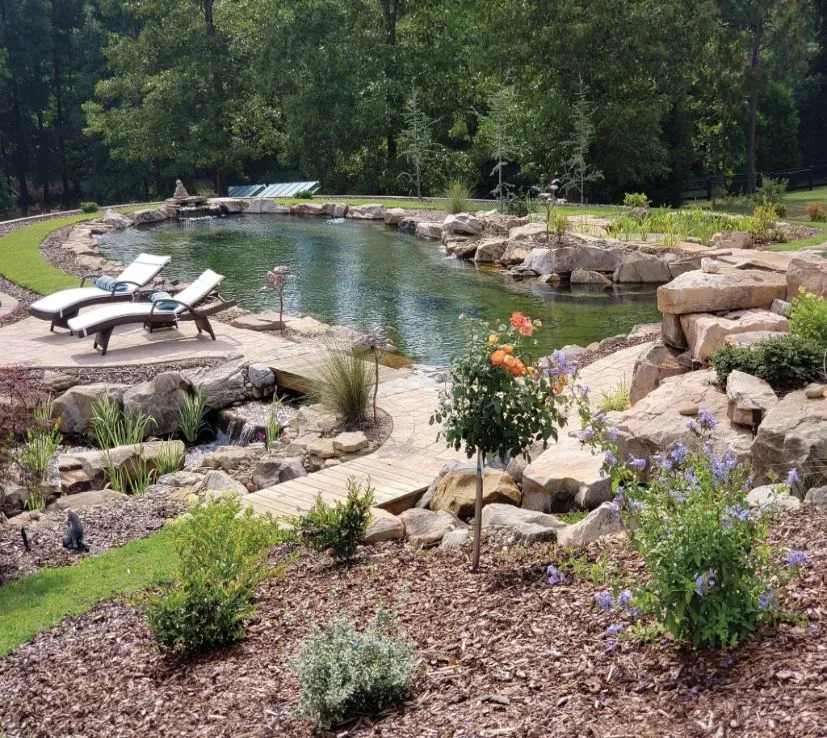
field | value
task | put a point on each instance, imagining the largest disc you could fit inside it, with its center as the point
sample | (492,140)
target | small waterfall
(248,432)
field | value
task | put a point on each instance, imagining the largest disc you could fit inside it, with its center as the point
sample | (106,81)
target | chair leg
(203,324)
(103,340)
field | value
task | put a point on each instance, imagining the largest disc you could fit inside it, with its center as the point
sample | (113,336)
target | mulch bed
(106,526)
(507,655)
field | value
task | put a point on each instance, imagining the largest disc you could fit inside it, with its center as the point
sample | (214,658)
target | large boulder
(590,279)
(384,526)
(527,526)
(565,476)
(266,205)
(269,472)
(462,248)
(746,395)
(539,261)
(227,204)
(809,272)
(408,224)
(350,442)
(671,331)
(308,208)
(490,249)
(125,458)
(652,366)
(118,221)
(220,385)
(456,491)
(604,521)
(641,268)
(732,289)
(425,528)
(793,434)
(217,484)
(585,252)
(706,333)
(773,497)
(74,407)
(149,215)
(371,211)
(160,398)
(394,216)
(463,224)
(231,458)
(90,498)
(516,252)
(655,423)
(526,232)
(428,229)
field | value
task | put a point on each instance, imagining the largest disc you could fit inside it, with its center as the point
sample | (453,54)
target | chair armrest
(88,276)
(169,299)
(127,282)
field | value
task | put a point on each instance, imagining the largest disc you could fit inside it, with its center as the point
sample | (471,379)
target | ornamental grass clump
(499,401)
(711,577)
(344,384)
(222,552)
(345,672)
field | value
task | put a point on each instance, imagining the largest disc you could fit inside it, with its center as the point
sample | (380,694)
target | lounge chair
(163,311)
(60,307)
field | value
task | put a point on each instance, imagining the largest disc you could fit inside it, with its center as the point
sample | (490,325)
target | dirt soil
(105,526)
(507,655)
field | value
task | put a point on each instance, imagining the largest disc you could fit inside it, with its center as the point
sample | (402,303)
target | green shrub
(89,207)
(762,222)
(35,456)
(635,200)
(785,361)
(816,212)
(616,398)
(808,318)
(344,385)
(771,194)
(456,197)
(222,558)
(132,477)
(169,459)
(272,426)
(303,195)
(557,223)
(338,529)
(191,417)
(112,427)
(344,672)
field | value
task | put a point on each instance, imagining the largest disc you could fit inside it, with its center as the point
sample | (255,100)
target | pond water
(363,274)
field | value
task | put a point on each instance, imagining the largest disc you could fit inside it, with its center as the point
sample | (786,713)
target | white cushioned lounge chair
(197,302)
(60,307)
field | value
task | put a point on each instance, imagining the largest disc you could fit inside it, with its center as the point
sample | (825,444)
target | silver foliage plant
(345,672)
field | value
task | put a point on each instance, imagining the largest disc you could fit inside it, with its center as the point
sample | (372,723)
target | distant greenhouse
(283,189)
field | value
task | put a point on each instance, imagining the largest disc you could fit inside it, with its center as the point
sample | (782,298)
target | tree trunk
(755,61)
(418,183)
(60,124)
(475,556)
(220,182)
(21,160)
(375,382)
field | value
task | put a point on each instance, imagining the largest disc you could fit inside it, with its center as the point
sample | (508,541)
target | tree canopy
(113,99)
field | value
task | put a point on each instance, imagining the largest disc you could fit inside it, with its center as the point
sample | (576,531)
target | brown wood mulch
(105,526)
(507,655)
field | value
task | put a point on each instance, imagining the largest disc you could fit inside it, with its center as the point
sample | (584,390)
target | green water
(362,275)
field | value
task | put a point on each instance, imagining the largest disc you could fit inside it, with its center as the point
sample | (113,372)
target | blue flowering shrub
(712,580)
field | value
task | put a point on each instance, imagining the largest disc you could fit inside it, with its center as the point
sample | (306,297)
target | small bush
(762,222)
(191,417)
(771,194)
(816,212)
(808,318)
(35,456)
(89,207)
(557,223)
(272,427)
(344,672)
(456,197)
(222,553)
(131,478)
(338,529)
(303,195)
(785,361)
(344,385)
(169,459)
(635,200)
(111,427)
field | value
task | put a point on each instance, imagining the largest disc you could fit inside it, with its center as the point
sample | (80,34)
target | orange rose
(517,369)
(508,348)
(510,360)
(498,357)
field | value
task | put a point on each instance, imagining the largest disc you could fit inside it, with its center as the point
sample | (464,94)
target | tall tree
(498,131)
(579,170)
(416,138)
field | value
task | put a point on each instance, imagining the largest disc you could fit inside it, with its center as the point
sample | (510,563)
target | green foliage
(344,384)
(486,408)
(111,427)
(456,197)
(303,195)
(808,318)
(785,361)
(40,601)
(557,223)
(222,558)
(132,477)
(762,223)
(338,529)
(579,171)
(169,459)
(816,212)
(272,427)
(635,200)
(771,194)
(35,456)
(416,139)
(344,672)
(89,207)
(616,398)
(192,415)
(498,131)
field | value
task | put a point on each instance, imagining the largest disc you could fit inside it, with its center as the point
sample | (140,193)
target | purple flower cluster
(554,576)
(614,629)
(604,600)
(704,422)
(796,558)
(704,582)
(766,600)
(793,477)
(636,463)
(736,513)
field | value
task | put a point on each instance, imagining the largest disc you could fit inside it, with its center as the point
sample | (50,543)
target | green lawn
(40,601)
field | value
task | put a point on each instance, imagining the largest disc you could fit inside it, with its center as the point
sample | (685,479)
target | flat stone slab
(733,289)
(7,304)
